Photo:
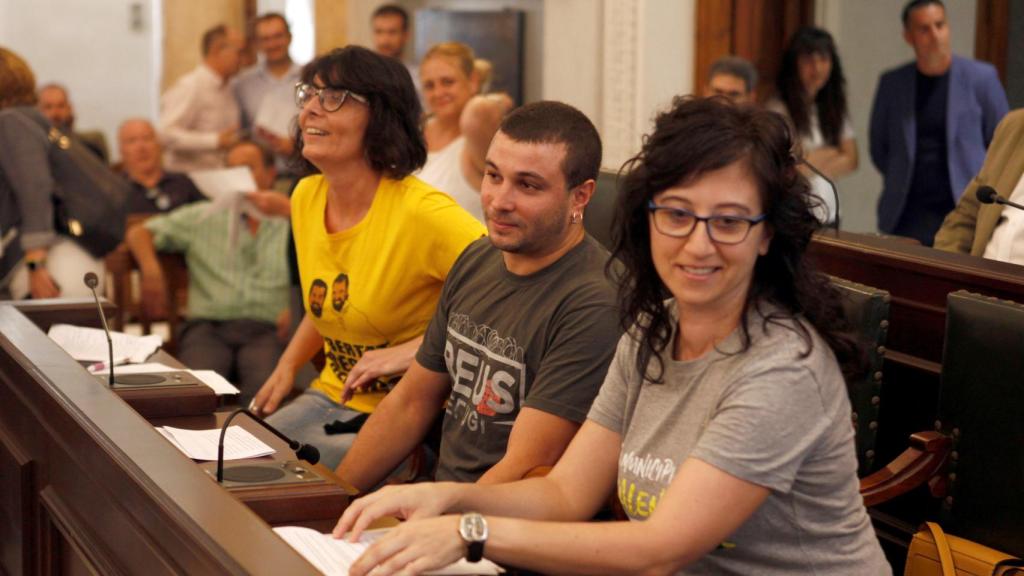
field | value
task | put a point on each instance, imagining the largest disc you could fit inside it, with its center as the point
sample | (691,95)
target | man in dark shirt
(526,325)
(931,123)
(153,189)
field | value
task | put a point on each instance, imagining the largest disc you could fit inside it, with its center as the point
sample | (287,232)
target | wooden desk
(315,505)
(88,486)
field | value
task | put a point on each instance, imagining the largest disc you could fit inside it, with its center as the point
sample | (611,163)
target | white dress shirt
(193,113)
(1007,242)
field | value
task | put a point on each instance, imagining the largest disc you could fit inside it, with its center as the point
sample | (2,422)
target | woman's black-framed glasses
(331,99)
(722,229)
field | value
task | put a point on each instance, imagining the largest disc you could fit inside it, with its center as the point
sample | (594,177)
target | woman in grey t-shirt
(723,425)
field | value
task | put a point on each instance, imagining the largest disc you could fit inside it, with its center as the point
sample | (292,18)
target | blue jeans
(303,419)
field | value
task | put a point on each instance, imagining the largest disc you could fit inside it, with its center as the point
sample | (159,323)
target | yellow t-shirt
(376,284)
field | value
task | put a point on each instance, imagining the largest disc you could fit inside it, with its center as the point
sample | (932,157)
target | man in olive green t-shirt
(526,325)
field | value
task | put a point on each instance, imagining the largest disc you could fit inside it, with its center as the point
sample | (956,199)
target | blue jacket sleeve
(993,103)
(877,137)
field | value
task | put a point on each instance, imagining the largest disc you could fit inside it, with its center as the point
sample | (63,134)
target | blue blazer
(975,105)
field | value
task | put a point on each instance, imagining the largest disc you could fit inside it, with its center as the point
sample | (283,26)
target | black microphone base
(269,474)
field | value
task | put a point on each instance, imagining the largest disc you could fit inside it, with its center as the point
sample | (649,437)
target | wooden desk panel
(316,505)
(88,485)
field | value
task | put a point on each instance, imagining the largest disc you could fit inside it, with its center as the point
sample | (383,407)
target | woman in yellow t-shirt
(374,245)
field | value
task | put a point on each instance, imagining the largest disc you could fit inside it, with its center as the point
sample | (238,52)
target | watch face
(473,527)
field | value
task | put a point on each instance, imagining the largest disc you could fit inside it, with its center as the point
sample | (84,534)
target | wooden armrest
(922,462)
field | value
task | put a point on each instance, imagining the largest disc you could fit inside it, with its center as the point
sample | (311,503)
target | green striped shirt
(224,283)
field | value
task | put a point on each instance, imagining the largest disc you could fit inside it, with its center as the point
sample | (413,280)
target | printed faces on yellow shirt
(375,285)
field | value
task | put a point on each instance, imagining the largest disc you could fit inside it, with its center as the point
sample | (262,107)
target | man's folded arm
(399,423)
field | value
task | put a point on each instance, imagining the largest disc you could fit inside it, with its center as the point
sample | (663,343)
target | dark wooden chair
(867,311)
(600,212)
(121,265)
(974,459)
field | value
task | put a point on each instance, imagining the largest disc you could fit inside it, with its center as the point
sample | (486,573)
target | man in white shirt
(992,230)
(265,91)
(390,23)
(199,115)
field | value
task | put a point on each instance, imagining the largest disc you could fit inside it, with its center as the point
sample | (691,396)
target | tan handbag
(933,553)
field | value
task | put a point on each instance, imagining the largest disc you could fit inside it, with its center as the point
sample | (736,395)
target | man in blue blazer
(931,122)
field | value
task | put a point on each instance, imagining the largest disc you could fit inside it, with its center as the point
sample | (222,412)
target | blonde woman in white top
(460,122)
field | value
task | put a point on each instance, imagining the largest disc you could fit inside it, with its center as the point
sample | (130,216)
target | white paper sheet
(90,344)
(224,182)
(215,381)
(333,557)
(239,443)
(276,113)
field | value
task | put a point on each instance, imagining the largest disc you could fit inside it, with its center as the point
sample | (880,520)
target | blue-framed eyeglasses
(331,99)
(722,228)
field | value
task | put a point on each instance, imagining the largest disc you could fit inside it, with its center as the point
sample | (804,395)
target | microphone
(91,281)
(831,184)
(988,195)
(306,452)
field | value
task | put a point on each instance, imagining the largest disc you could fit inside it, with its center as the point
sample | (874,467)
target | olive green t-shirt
(507,341)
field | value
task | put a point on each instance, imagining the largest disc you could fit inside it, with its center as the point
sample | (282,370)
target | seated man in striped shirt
(238,282)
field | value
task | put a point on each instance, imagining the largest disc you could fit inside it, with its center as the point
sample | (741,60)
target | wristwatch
(473,530)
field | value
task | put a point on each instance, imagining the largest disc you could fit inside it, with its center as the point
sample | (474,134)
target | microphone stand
(306,452)
(91,281)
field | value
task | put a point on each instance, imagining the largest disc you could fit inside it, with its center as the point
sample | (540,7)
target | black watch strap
(475,552)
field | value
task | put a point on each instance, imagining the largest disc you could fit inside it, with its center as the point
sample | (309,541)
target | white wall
(108,66)
(869,37)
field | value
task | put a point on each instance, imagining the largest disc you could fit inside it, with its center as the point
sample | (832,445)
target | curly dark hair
(695,137)
(830,100)
(393,142)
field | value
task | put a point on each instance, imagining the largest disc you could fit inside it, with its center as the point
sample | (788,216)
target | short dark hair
(266,154)
(695,137)
(735,66)
(266,18)
(914,5)
(340,278)
(552,122)
(392,10)
(212,36)
(393,141)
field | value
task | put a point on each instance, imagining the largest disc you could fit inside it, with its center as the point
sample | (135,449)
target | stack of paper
(90,344)
(239,443)
(333,557)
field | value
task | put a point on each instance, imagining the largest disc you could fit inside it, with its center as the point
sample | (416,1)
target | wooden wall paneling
(17,518)
(754,29)
(331,21)
(714,37)
(991,35)
(118,497)
(184,23)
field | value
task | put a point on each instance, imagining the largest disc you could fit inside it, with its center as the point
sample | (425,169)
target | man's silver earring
(576,217)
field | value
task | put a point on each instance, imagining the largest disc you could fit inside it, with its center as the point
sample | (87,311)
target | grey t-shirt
(767,416)
(508,341)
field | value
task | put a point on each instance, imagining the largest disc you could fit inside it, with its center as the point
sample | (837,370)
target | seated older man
(238,283)
(153,188)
